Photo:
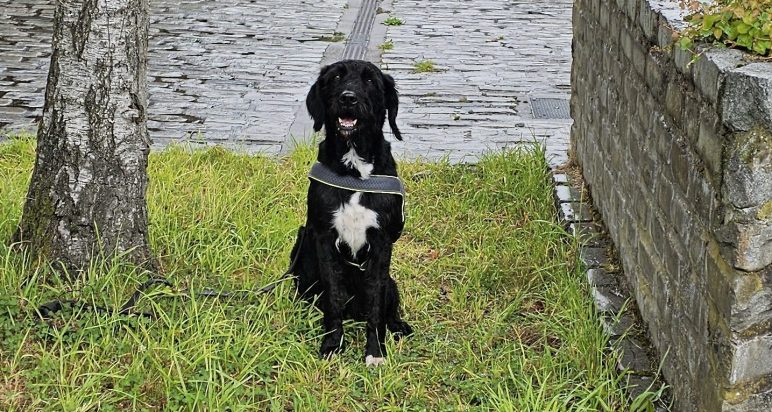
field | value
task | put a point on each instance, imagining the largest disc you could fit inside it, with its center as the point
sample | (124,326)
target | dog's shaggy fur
(351,100)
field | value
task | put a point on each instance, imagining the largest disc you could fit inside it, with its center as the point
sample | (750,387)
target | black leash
(47,310)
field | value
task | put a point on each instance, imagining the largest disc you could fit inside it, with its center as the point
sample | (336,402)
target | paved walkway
(236,72)
(224,71)
(494,57)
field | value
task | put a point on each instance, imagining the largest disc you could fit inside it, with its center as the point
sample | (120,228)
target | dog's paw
(400,330)
(371,360)
(331,346)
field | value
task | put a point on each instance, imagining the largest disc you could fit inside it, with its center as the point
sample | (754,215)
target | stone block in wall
(703,198)
(747,189)
(603,17)
(656,79)
(680,165)
(755,403)
(615,29)
(753,302)
(748,246)
(719,282)
(751,359)
(620,5)
(693,107)
(649,20)
(710,145)
(666,36)
(746,101)
(631,9)
(709,69)
(683,61)
(674,100)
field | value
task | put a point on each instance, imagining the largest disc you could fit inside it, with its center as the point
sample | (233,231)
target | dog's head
(351,99)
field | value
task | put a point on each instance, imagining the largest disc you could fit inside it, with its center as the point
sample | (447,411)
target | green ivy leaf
(710,20)
(685,42)
(744,40)
(764,46)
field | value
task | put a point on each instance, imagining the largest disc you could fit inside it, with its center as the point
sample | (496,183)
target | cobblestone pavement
(493,57)
(236,71)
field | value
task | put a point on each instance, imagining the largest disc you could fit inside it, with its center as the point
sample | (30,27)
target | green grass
(387,45)
(424,66)
(335,37)
(489,281)
(393,21)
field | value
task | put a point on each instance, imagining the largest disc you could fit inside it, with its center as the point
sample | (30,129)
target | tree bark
(86,199)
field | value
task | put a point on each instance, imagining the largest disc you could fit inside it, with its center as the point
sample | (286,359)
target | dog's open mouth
(346,126)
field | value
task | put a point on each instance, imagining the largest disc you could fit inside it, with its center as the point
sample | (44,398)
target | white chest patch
(352,160)
(352,220)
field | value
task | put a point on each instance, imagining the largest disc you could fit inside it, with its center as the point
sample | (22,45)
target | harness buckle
(360,266)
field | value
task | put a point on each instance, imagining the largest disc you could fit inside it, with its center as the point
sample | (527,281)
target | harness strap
(381,184)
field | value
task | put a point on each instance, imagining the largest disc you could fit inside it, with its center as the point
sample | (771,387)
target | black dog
(345,249)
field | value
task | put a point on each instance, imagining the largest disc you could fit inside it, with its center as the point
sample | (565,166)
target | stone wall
(677,153)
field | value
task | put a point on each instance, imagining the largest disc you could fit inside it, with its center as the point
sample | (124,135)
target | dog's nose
(347,98)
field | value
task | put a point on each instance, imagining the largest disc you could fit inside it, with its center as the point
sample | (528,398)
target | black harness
(381,184)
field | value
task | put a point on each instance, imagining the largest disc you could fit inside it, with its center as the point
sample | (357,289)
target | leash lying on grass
(47,310)
(375,184)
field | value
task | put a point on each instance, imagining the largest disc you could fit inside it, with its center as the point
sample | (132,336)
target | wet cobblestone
(492,58)
(227,71)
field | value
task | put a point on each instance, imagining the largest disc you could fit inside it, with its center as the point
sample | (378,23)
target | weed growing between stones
(489,280)
(387,45)
(335,37)
(393,21)
(425,66)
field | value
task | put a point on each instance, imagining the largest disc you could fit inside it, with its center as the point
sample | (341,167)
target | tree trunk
(86,199)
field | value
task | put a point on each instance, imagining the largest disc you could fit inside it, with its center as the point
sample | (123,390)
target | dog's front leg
(333,299)
(376,276)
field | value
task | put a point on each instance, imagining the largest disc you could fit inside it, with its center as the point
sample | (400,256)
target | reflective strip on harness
(383,184)
(374,184)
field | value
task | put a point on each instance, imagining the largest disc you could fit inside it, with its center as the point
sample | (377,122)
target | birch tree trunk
(86,199)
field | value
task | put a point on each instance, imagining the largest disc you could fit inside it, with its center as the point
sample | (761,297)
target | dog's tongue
(347,122)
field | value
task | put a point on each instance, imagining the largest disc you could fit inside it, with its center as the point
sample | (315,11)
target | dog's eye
(337,77)
(370,81)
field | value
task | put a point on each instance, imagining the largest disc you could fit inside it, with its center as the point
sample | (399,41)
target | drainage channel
(635,357)
(359,38)
(359,28)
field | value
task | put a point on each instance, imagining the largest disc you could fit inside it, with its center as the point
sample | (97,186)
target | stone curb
(621,322)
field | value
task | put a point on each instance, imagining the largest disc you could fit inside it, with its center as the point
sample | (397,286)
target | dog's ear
(314,101)
(392,104)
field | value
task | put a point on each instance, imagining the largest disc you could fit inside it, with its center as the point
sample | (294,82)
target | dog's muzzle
(346,126)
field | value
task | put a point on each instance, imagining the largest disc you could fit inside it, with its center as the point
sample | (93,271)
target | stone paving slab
(232,71)
(493,56)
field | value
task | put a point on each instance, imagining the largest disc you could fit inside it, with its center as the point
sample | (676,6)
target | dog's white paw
(371,360)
